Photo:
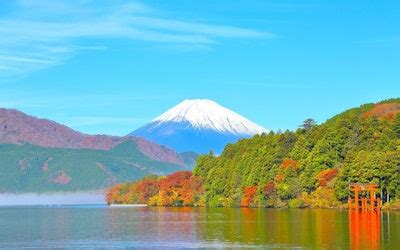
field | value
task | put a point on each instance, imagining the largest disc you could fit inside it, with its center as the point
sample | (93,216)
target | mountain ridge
(40,155)
(19,128)
(30,168)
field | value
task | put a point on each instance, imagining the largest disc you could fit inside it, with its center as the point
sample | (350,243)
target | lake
(153,227)
(55,198)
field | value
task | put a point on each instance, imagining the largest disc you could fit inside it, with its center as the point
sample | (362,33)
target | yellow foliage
(322,197)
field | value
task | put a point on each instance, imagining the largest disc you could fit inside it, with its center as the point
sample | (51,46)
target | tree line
(312,166)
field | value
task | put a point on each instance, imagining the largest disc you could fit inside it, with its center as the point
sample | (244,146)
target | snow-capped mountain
(199,126)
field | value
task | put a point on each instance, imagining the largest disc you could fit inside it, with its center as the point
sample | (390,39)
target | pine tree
(308,124)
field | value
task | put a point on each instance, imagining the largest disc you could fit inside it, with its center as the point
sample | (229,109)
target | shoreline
(128,205)
(383,209)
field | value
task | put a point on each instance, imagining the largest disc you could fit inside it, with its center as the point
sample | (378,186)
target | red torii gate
(364,203)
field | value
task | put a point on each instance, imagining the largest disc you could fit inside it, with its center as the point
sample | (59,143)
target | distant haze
(80,198)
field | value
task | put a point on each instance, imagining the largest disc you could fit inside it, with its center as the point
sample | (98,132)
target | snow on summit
(207,114)
(198,126)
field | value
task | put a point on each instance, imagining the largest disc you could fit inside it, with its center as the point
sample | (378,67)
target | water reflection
(279,228)
(80,227)
(365,227)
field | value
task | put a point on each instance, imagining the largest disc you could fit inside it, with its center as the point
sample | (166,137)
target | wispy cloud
(42,33)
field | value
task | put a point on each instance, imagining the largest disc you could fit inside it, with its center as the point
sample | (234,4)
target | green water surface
(152,227)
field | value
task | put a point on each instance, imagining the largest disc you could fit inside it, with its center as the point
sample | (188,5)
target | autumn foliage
(178,189)
(248,196)
(325,176)
(383,110)
(289,163)
(113,194)
(133,193)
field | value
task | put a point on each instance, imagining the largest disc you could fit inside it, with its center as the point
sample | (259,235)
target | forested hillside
(359,145)
(29,168)
(309,167)
(20,128)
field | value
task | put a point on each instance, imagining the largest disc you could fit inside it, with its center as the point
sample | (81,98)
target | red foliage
(175,180)
(135,192)
(112,194)
(289,163)
(325,176)
(248,196)
(383,110)
(146,189)
(191,188)
(178,189)
(270,189)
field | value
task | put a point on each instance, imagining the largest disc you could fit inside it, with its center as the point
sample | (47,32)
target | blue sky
(111,66)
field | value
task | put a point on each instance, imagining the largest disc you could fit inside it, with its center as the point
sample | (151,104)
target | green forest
(30,168)
(310,167)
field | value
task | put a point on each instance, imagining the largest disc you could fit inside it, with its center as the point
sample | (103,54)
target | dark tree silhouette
(308,124)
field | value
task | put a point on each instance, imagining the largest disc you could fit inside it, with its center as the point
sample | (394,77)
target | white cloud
(41,33)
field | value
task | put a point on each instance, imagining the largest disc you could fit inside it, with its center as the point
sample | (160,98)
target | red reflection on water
(365,229)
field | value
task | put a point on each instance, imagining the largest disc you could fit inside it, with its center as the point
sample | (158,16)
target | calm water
(57,198)
(101,226)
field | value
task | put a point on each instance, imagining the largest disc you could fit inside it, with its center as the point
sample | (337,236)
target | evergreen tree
(308,124)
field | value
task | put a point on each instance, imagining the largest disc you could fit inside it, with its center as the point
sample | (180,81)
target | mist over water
(59,198)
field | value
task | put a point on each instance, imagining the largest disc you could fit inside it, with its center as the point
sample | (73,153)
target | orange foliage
(178,189)
(289,163)
(325,176)
(383,110)
(248,196)
(279,178)
(146,189)
(112,194)
(135,192)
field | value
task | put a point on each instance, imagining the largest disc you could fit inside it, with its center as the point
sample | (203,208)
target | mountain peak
(207,114)
(198,125)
